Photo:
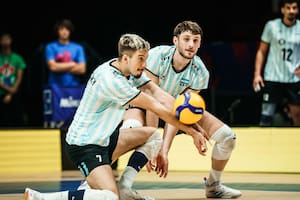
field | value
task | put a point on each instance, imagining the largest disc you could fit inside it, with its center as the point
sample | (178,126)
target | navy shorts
(274,92)
(88,157)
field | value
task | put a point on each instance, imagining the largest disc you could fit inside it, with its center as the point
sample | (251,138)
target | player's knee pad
(268,109)
(93,194)
(267,114)
(152,145)
(131,123)
(225,140)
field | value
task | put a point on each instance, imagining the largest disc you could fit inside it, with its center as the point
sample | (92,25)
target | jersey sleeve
(153,60)
(201,76)
(119,91)
(267,31)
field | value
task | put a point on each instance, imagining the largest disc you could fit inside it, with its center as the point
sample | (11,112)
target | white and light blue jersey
(102,105)
(284,51)
(194,76)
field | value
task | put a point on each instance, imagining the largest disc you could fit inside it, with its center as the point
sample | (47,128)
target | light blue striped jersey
(102,105)
(284,51)
(194,76)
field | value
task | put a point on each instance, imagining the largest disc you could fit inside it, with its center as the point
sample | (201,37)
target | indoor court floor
(179,185)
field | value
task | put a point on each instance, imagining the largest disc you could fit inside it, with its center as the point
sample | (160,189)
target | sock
(214,176)
(128,177)
(91,194)
(56,195)
(136,162)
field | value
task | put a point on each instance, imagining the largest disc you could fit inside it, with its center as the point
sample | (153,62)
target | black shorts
(274,92)
(88,157)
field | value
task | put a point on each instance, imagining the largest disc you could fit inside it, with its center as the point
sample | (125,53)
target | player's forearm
(259,63)
(168,137)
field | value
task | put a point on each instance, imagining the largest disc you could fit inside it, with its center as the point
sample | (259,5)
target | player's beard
(185,55)
(291,17)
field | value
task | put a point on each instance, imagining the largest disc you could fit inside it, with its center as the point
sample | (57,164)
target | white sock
(55,195)
(214,176)
(91,194)
(128,177)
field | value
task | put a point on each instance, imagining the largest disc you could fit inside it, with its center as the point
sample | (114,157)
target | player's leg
(272,95)
(225,140)
(94,163)
(294,112)
(133,118)
(146,141)
(294,102)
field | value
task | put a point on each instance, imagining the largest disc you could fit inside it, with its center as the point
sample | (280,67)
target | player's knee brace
(152,145)
(131,123)
(225,140)
(267,114)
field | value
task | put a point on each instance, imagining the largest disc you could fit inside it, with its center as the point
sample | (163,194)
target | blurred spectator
(12,67)
(66,62)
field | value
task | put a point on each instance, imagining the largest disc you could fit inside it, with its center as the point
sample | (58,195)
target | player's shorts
(135,107)
(274,92)
(88,157)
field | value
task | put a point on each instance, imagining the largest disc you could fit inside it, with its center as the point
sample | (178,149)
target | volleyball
(189,107)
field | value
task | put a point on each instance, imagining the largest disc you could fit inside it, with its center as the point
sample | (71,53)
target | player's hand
(200,143)
(150,166)
(201,130)
(162,165)
(257,83)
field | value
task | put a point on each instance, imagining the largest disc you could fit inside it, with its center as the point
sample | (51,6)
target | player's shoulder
(197,64)
(274,21)
(162,51)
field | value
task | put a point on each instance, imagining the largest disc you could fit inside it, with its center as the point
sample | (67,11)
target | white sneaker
(30,194)
(217,190)
(129,194)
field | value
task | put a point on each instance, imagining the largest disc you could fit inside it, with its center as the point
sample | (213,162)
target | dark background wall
(99,24)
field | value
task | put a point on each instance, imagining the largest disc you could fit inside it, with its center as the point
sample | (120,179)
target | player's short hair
(129,43)
(191,26)
(283,2)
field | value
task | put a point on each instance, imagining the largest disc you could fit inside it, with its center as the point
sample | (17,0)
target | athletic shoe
(129,194)
(217,190)
(30,194)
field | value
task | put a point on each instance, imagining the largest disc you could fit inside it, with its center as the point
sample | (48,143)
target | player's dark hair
(283,2)
(187,26)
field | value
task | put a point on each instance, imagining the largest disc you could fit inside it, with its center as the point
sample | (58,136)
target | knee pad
(267,113)
(268,109)
(152,145)
(225,140)
(131,123)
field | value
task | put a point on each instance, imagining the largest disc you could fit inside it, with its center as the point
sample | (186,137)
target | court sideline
(179,185)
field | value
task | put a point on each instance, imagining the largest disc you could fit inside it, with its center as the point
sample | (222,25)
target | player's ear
(175,39)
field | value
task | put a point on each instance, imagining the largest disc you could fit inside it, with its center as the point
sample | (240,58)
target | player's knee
(131,123)
(152,145)
(225,142)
